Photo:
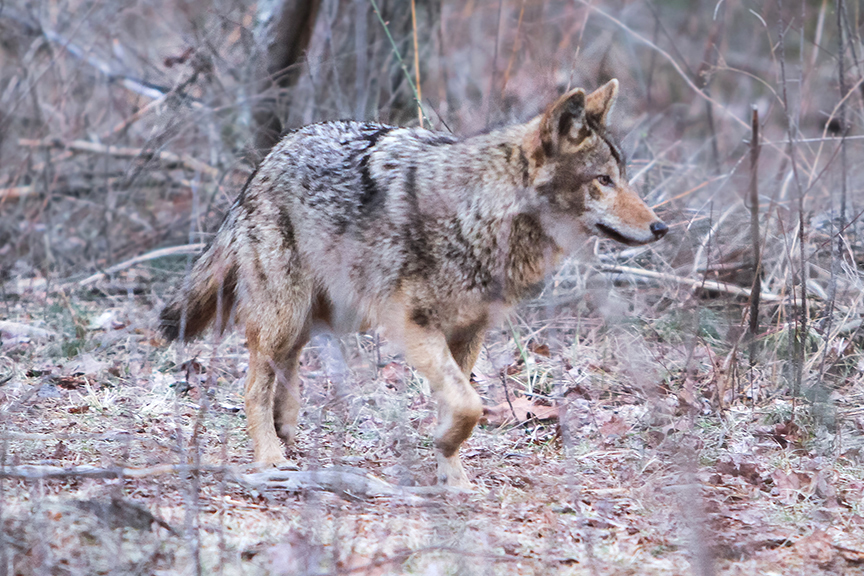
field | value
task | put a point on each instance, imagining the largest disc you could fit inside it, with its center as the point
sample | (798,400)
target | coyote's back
(354,225)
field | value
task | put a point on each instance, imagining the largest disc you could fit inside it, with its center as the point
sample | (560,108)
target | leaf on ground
(615,426)
(85,365)
(749,471)
(816,547)
(792,485)
(524,410)
(122,513)
(108,320)
(539,349)
(784,434)
(71,382)
(394,375)
(60,451)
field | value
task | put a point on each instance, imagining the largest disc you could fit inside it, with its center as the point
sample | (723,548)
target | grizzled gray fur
(357,225)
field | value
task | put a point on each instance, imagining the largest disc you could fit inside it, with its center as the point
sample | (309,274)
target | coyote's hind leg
(272,395)
(259,398)
(286,398)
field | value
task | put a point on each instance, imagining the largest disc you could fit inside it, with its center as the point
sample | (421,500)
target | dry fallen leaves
(519,410)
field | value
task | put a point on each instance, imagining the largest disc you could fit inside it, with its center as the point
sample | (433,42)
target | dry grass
(667,448)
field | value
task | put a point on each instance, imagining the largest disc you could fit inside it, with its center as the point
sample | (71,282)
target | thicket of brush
(130,127)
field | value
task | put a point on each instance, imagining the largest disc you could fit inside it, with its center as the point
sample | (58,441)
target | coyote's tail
(208,292)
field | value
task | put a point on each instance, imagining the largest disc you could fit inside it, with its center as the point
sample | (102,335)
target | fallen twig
(20,285)
(45,472)
(123,152)
(340,480)
(402,556)
(153,255)
(703,284)
(345,481)
(17,329)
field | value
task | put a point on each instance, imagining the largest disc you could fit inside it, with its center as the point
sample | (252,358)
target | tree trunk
(284,34)
(355,72)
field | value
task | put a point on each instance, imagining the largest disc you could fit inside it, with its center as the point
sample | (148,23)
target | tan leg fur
(459,406)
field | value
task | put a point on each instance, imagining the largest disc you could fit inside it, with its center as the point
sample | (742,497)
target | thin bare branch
(168,158)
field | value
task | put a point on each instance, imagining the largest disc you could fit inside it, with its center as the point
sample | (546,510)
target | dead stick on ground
(18,329)
(123,152)
(154,255)
(344,481)
(703,284)
(40,472)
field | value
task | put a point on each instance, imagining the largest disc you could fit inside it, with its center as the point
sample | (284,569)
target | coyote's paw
(452,474)
(274,455)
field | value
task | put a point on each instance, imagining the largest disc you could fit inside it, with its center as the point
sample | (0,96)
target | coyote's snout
(356,225)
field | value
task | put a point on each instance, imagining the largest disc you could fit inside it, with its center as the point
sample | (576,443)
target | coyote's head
(580,175)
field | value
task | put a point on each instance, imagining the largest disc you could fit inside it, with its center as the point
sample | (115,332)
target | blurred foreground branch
(342,480)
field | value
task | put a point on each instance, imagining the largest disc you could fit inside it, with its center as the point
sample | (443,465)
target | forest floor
(607,449)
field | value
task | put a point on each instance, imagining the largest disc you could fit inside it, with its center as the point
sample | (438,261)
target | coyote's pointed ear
(563,119)
(600,102)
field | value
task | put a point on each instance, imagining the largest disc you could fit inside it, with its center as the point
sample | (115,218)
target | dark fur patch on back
(438,139)
(373,137)
(418,260)
(371,195)
(411,186)
(241,198)
(369,189)
(285,227)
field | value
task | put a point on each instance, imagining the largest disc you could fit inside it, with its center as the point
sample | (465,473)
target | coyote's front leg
(459,406)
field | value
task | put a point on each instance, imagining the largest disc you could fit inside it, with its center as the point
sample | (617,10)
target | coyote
(355,225)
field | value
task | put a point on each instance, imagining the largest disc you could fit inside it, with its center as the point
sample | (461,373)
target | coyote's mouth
(610,232)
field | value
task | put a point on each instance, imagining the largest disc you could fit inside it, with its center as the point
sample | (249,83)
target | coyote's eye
(604,180)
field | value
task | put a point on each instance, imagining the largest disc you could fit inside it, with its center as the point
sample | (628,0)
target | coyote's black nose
(659,229)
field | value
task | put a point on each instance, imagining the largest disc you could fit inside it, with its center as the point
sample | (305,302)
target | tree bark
(284,35)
